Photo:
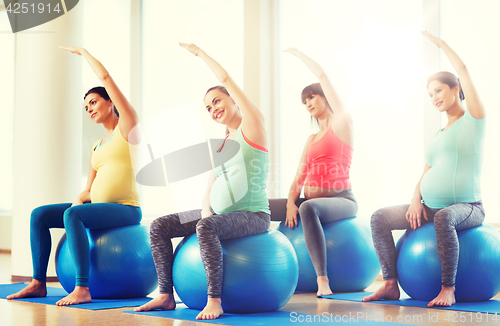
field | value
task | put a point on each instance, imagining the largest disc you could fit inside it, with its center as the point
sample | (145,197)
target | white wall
(471,28)
(372,52)
(171,76)
(7,44)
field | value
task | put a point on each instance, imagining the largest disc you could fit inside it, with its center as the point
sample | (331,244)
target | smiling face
(442,96)
(97,107)
(220,106)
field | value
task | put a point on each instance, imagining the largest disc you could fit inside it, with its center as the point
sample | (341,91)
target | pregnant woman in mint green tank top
(235,203)
(448,192)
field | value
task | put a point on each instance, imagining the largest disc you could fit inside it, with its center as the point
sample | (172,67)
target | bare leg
(445,298)
(165,301)
(388,291)
(33,290)
(79,295)
(212,310)
(323,286)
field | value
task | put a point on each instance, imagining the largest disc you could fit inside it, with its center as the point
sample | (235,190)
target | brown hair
(101,91)
(313,89)
(449,79)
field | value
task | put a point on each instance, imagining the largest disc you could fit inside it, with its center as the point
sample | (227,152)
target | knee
(378,218)
(443,219)
(155,227)
(307,210)
(40,215)
(204,225)
(71,215)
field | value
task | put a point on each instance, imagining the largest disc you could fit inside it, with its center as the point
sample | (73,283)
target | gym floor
(27,314)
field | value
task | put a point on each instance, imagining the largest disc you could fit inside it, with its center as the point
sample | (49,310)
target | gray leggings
(313,213)
(316,211)
(210,231)
(447,222)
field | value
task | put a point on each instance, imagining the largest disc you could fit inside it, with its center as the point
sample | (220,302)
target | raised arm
(474,105)
(253,124)
(128,116)
(317,70)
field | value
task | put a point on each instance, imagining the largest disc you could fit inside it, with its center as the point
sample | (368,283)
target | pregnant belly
(437,188)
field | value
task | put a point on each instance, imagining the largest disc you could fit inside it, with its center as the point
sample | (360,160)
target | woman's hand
(414,214)
(433,39)
(72,49)
(77,202)
(206,213)
(191,48)
(291,215)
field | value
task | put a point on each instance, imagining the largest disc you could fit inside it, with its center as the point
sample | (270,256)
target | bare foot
(388,291)
(445,298)
(165,301)
(323,286)
(33,290)
(212,310)
(79,295)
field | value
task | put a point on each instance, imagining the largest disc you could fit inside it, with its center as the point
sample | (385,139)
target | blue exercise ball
(121,263)
(352,264)
(260,273)
(478,273)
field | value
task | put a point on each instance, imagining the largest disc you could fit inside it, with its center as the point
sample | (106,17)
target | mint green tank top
(455,156)
(241,181)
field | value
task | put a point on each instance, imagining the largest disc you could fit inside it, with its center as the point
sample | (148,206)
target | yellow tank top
(115,179)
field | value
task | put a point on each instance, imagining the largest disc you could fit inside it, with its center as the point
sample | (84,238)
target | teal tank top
(455,156)
(241,181)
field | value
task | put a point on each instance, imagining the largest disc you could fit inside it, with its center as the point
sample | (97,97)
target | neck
(455,113)
(234,123)
(110,124)
(324,120)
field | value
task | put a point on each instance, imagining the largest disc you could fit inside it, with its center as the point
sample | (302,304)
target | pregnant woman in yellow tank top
(110,198)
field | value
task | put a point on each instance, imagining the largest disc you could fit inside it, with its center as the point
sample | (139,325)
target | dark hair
(219,88)
(449,79)
(313,89)
(101,91)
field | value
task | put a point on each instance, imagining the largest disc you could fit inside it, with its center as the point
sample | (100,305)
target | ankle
(214,301)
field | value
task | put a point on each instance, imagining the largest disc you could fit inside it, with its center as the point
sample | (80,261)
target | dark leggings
(74,219)
(210,231)
(447,222)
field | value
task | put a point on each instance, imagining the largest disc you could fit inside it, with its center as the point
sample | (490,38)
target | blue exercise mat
(490,306)
(275,318)
(55,294)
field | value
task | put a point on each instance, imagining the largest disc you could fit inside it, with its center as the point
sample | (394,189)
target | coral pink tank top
(328,162)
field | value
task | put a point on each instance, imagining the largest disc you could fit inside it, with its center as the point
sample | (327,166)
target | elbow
(461,69)
(322,75)
(104,76)
(224,78)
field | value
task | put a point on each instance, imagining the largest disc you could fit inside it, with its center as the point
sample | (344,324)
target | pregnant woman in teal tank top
(448,192)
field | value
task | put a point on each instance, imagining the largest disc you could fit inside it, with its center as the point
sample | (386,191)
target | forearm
(96,66)
(295,191)
(84,196)
(219,72)
(315,68)
(455,60)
